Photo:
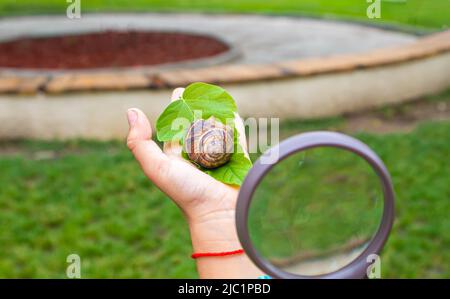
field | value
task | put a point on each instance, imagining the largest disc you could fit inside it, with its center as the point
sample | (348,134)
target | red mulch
(106,49)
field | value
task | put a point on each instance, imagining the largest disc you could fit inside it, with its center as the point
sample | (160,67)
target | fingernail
(132,117)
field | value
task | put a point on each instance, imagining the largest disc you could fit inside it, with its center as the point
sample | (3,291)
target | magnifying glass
(321,211)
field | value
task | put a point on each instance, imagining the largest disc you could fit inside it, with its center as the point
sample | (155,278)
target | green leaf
(184,155)
(211,100)
(234,171)
(174,121)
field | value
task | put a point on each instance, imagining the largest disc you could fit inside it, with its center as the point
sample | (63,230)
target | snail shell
(209,143)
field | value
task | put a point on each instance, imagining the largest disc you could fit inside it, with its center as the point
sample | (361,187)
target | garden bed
(107,49)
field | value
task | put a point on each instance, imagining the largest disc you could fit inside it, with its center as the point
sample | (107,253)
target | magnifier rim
(358,267)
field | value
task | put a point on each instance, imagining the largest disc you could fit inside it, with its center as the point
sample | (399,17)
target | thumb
(173,148)
(140,128)
(153,162)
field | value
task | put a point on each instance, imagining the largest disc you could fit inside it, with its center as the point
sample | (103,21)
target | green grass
(314,202)
(93,200)
(420,13)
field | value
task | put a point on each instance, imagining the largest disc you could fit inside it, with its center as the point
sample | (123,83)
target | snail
(209,143)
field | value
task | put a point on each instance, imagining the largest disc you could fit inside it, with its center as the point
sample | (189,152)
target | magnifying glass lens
(315,211)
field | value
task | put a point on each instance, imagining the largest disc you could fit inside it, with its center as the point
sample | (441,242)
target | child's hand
(208,204)
(196,193)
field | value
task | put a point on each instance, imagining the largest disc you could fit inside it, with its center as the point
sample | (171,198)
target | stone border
(129,79)
(101,115)
(425,47)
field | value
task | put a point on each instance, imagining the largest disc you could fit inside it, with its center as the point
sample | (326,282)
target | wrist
(215,232)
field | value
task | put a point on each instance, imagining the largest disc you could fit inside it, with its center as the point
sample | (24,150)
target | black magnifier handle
(358,267)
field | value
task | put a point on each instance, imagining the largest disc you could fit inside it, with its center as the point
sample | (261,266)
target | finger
(176,94)
(152,160)
(241,130)
(173,148)
(171,176)
(155,164)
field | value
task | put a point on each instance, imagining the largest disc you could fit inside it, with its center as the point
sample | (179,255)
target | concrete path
(262,39)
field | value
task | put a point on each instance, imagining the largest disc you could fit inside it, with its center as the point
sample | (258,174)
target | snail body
(209,143)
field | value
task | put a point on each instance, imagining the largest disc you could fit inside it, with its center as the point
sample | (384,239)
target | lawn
(420,13)
(315,203)
(91,198)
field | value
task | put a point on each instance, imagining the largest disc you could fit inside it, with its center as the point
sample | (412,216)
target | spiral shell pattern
(209,143)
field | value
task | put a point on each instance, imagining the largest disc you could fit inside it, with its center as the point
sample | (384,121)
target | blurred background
(88,196)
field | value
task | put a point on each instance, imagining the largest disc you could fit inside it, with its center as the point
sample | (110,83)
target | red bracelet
(225,253)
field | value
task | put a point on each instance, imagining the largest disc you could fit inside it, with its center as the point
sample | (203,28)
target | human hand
(199,195)
(209,205)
